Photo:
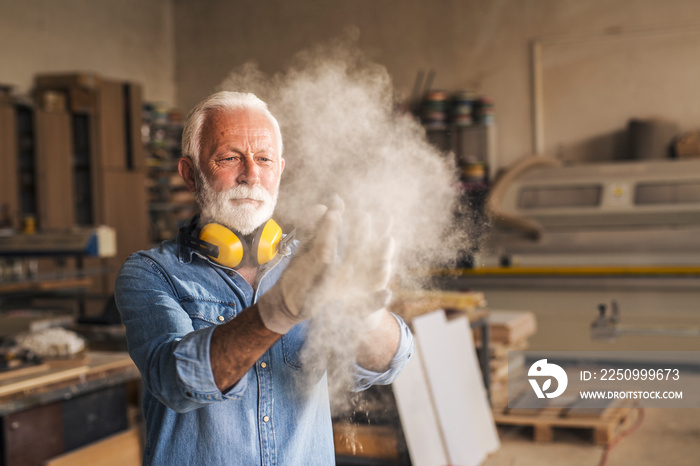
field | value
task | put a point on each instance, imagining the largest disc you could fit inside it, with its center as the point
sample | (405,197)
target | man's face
(239,169)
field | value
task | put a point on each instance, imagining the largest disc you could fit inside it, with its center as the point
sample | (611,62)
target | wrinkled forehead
(251,125)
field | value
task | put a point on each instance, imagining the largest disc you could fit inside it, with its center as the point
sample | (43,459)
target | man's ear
(186,168)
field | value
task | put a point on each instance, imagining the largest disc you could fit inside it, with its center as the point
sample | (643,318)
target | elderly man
(216,318)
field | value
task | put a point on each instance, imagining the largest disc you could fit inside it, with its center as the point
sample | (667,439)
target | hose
(528,227)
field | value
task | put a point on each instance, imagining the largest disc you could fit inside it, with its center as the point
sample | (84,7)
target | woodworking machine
(631,214)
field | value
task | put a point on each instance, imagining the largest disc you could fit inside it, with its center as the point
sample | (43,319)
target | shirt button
(263,365)
(266,418)
(221,318)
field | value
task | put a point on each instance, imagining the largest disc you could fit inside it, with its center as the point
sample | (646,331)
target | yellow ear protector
(227,248)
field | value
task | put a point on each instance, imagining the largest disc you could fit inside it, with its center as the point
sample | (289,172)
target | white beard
(243,218)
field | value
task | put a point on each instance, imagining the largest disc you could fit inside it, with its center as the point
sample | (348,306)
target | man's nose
(250,173)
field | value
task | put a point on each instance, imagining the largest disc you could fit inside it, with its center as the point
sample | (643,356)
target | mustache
(241,191)
(256,193)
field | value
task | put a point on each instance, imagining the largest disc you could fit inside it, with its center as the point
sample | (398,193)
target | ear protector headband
(226,248)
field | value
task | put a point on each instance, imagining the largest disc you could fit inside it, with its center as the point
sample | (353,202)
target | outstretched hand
(295,297)
(347,260)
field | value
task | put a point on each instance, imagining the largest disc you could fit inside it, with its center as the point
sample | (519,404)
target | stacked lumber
(509,332)
(413,303)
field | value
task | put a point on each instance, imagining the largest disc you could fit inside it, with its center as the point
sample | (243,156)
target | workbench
(61,405)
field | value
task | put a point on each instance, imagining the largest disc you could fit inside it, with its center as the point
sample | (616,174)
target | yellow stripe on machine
(573,270)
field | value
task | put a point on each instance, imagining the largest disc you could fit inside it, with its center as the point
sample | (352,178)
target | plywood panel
(9,189)
(443,367)
(454,380)
(111,130)
(126,209)
(54,165)
(468,379)
(418,417)
(134,104)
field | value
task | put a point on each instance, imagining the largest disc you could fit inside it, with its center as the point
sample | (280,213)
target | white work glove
(299,292)
(362,279)
(381,275)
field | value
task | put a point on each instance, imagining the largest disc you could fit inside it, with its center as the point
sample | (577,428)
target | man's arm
(237,345)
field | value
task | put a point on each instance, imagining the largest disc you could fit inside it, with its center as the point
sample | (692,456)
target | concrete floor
(665,437)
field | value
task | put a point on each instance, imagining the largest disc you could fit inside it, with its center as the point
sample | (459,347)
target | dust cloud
(344,133)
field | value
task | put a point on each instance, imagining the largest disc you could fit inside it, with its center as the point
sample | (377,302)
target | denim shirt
(171,300)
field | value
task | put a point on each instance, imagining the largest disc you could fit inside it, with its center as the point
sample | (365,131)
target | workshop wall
(181,50)
(479,45)
(131,40)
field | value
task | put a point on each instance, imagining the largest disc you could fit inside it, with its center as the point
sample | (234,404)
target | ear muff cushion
(267,242)
(231,248)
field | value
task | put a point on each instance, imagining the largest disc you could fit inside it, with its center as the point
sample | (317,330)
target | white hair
(223,100)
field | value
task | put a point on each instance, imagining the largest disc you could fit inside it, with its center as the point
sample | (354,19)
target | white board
(470,380)
(418,418)
(445,370)
(441,399)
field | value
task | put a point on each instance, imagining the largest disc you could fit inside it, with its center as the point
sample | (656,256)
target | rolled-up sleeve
(365,378)
(193,366)
(171,355)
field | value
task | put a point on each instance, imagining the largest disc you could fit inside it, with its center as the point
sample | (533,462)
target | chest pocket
(292,345)
(207,313)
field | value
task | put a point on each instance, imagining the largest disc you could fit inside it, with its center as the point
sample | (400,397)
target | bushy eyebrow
(268,150)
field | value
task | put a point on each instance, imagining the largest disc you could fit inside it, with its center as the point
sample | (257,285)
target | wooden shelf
(45,285)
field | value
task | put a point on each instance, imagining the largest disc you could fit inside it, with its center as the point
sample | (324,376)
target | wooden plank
(370,441)
(111,125)
(126,209)
(45,285)
(134,111)
(534,419)
(417,413)
(410,304)
(591,408)
(446,371)
(471,382)
(109,360)
(66,370)
(500,350)
(22,372)
(123,449)
(614,416)
(9,175)
(510,327)
(527,404)
(30,381)
(119,108)
(54,165)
